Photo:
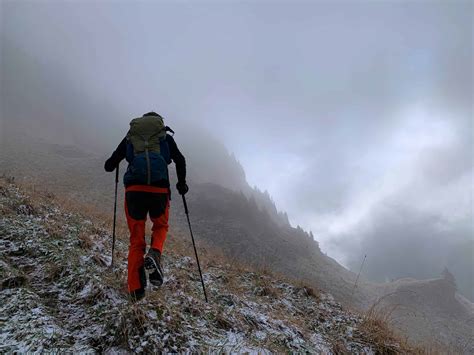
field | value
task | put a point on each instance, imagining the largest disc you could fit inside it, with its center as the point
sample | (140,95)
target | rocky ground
(59,293)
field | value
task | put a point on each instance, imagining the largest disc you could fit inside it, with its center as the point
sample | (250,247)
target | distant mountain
(430,309)
(209,161)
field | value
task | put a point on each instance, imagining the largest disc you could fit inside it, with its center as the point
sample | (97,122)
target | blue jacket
(170,152)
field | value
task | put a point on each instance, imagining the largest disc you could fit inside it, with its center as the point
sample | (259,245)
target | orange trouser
(141,200)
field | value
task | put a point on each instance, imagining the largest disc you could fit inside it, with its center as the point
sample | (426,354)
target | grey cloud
(400,241)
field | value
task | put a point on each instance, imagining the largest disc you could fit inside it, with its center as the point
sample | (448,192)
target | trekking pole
(194,245)
(115,214)
(357,279)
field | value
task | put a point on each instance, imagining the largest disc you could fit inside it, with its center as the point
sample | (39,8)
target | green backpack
(145,134)
(148,152)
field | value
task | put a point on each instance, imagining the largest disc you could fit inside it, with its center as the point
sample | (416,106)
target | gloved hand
(109,165)
(182,187)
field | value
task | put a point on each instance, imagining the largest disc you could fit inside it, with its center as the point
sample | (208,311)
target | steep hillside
(224,218)
(59,294)
(430,309)
(235,224)
(230,221)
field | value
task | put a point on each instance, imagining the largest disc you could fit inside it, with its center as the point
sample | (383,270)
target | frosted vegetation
(59,293)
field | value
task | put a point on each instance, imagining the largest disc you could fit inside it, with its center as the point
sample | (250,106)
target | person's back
(148,150)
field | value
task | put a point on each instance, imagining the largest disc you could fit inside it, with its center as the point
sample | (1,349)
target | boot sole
(152,267)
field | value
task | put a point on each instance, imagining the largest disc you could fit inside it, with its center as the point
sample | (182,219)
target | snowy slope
(58,293)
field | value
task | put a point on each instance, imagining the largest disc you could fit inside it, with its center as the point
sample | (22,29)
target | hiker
(148,150)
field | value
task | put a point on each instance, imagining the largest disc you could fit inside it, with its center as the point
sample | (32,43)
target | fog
(355,116)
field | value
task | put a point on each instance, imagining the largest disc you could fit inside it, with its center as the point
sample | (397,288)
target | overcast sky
(355,116)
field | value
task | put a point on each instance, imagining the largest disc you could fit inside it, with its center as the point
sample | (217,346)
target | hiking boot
(152,264)
(142,274)
(137,295)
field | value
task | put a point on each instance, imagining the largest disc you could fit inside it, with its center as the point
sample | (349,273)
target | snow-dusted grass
(59,294)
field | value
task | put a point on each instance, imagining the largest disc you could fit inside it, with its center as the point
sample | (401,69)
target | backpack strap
(167,129)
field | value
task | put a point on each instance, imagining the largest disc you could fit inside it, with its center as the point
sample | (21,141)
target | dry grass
(376,326)
(116,279)
(54,271)
(338,347)
(223,322)
(307,288)
(133,322)
(264,287)
(376,321)
(85,240)
(36,192)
